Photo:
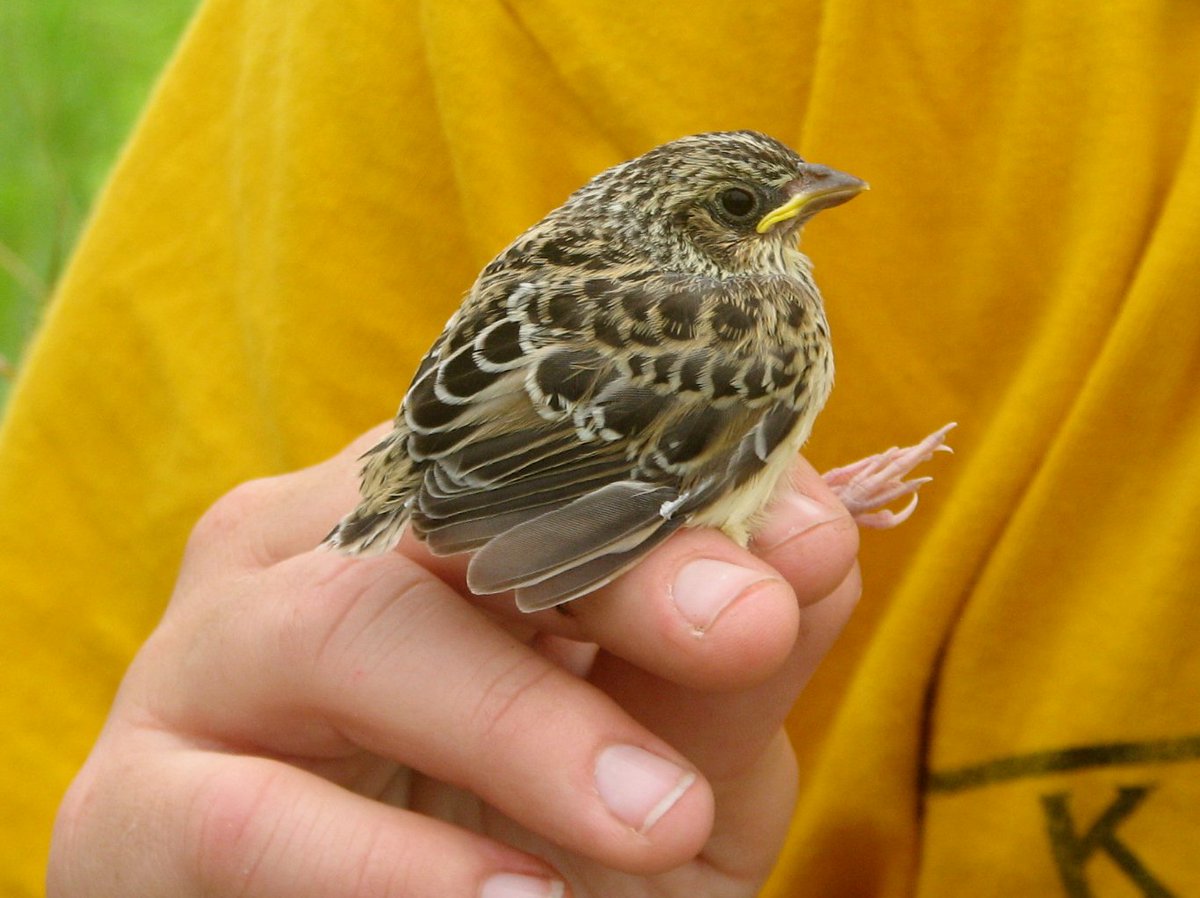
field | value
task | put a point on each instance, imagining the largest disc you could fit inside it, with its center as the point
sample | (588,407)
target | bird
(651,355)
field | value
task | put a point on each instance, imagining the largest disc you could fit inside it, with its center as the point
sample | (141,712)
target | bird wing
(566,431)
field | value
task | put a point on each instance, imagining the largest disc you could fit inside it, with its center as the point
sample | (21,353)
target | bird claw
(870,483)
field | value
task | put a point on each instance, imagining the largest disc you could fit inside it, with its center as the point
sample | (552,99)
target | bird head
(735,200)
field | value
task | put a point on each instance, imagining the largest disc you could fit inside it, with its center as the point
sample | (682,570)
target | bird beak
(818,187)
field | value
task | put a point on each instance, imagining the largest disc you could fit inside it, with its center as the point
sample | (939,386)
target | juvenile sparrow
(650,355)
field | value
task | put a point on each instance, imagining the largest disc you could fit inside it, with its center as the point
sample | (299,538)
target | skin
(264,739)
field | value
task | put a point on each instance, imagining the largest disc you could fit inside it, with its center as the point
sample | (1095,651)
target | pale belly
(739,514)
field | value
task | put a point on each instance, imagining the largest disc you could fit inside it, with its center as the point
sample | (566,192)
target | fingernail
(513,885)
(705,587)
(793,513)
(637,786)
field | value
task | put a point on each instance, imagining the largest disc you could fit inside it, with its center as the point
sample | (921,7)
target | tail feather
(377,524)
(367,532)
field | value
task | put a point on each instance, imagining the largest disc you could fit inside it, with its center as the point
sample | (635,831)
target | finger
(808,536)
(263,521)
(723,732)
(736,738)
(274,830)
(376,653)
(240,825)
(699,611)
(704,613)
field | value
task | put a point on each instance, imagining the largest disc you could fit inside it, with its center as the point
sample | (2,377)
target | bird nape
(651,355)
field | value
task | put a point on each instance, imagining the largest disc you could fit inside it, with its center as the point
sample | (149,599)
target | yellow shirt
(1016,708)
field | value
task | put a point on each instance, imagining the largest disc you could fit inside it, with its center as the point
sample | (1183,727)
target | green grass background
(73,76)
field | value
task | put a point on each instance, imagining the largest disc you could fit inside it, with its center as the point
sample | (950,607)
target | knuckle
(226,517)
(512,696)
(358,619)
(63,876)
(231,836)
(243,845)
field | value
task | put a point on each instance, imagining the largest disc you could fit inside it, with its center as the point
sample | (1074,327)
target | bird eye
(738,202)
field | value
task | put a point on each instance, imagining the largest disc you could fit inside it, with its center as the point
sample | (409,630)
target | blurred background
(73,76)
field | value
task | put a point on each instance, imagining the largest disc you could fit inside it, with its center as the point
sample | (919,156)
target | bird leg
(866,485)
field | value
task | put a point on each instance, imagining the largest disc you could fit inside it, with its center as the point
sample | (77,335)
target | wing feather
(579,581)
(612,520)
(563,428)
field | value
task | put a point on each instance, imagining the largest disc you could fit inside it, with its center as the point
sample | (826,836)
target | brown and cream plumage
(650,355)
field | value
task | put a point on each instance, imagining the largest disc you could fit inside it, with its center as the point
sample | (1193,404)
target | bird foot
(867,485)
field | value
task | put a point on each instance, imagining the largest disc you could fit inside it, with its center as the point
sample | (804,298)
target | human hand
(302,723)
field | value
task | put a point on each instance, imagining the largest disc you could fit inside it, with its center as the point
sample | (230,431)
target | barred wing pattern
(564,426)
